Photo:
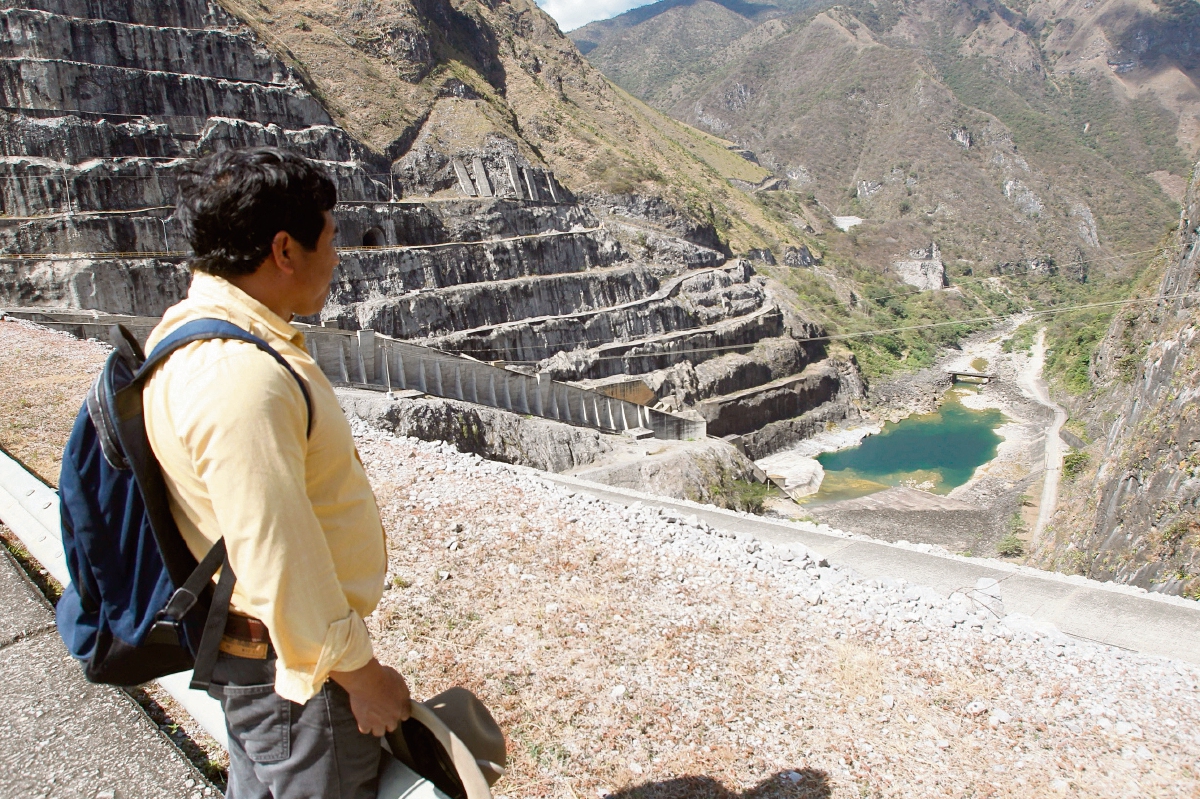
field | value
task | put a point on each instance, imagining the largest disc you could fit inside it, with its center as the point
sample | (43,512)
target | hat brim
(473,781)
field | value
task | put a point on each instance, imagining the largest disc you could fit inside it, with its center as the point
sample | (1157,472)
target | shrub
(1074,463)
(742,495)
(1021,339)
(1010,546)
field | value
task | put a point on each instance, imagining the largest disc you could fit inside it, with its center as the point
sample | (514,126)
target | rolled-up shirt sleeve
(243,420)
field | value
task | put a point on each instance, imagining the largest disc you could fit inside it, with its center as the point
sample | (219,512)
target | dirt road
(1032,381)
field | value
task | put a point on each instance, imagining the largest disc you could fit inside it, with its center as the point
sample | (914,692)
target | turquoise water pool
(936,452)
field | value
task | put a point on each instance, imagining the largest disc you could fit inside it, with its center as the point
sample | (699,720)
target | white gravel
(626,647)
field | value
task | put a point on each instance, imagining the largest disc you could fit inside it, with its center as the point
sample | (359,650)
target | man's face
(314,270)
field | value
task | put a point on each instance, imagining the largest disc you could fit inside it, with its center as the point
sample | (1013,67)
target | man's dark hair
(233,202)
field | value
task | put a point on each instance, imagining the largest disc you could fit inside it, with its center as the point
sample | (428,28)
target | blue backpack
(138,606)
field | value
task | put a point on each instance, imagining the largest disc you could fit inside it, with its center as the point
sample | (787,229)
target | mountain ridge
(887,105)
(415,81)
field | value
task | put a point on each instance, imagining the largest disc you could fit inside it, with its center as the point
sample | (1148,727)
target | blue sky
(571,14)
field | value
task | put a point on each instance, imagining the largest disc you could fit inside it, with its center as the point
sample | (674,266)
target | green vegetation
(1073,338)
(742,495)
(1022,338)
(50,588)
(850,298)
(619,176)
(1175,536)
(878,15)
(1079,428)
(1074,463)
(1011,545)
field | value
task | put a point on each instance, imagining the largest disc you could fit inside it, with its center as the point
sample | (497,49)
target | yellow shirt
(297,514)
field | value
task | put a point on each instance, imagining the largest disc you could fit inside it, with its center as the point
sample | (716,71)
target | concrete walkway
(1086,609)
(61,736)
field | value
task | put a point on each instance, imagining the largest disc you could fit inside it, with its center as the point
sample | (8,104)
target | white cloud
(571,14)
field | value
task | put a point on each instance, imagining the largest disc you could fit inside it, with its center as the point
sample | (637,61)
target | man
(305,701)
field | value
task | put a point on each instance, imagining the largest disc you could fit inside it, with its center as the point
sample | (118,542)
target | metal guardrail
(366,358)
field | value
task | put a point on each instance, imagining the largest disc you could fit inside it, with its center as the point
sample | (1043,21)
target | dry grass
(45,376)
(558,109)
(620,664)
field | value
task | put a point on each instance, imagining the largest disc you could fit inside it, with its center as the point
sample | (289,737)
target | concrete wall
(367,359)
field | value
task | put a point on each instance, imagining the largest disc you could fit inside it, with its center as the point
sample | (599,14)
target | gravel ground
(631,653)
(634,653)
(44,376)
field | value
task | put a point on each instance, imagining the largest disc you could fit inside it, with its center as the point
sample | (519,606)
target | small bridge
(955,376)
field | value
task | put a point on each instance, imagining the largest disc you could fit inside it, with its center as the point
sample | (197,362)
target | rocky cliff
(497,197)
(1130,506)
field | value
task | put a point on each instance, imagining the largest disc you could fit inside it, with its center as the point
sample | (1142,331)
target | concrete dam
(482,256)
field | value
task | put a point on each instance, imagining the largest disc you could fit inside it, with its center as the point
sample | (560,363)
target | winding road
(1032,381)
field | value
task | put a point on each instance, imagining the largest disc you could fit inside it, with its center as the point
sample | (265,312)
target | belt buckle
(253,650)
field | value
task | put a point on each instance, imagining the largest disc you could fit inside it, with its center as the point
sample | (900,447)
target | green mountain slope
(1042,146)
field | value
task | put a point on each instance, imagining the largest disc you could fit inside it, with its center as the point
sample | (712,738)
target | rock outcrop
(1130,508)
(488,432)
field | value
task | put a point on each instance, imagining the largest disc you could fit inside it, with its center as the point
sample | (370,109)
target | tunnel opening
(374,238)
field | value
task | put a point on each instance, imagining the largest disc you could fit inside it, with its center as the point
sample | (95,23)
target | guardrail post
(366,355)
(343,373)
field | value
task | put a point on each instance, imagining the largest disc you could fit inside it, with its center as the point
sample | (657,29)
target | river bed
(972,490)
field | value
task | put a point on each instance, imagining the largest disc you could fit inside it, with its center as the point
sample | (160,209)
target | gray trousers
(281,750)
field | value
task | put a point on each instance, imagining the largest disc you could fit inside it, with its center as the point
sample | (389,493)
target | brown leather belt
(245,637)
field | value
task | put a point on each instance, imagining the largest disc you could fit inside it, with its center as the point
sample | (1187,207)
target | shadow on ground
(805,783)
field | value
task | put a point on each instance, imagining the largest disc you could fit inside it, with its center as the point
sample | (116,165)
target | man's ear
(282,249)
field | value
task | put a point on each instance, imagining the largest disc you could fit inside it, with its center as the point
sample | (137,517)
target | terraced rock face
(482,252)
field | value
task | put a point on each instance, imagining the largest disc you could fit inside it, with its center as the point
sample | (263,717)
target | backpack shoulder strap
(207,329)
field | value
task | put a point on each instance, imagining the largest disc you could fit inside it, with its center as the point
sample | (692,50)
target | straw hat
(452,741)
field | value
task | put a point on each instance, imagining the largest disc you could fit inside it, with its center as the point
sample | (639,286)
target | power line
(887,331)
(601,341)
(60,173)
(980,279)
(168,254)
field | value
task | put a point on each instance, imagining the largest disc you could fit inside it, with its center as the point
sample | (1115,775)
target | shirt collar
(243,310)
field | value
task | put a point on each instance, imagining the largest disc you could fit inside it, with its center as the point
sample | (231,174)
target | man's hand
(378,697)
